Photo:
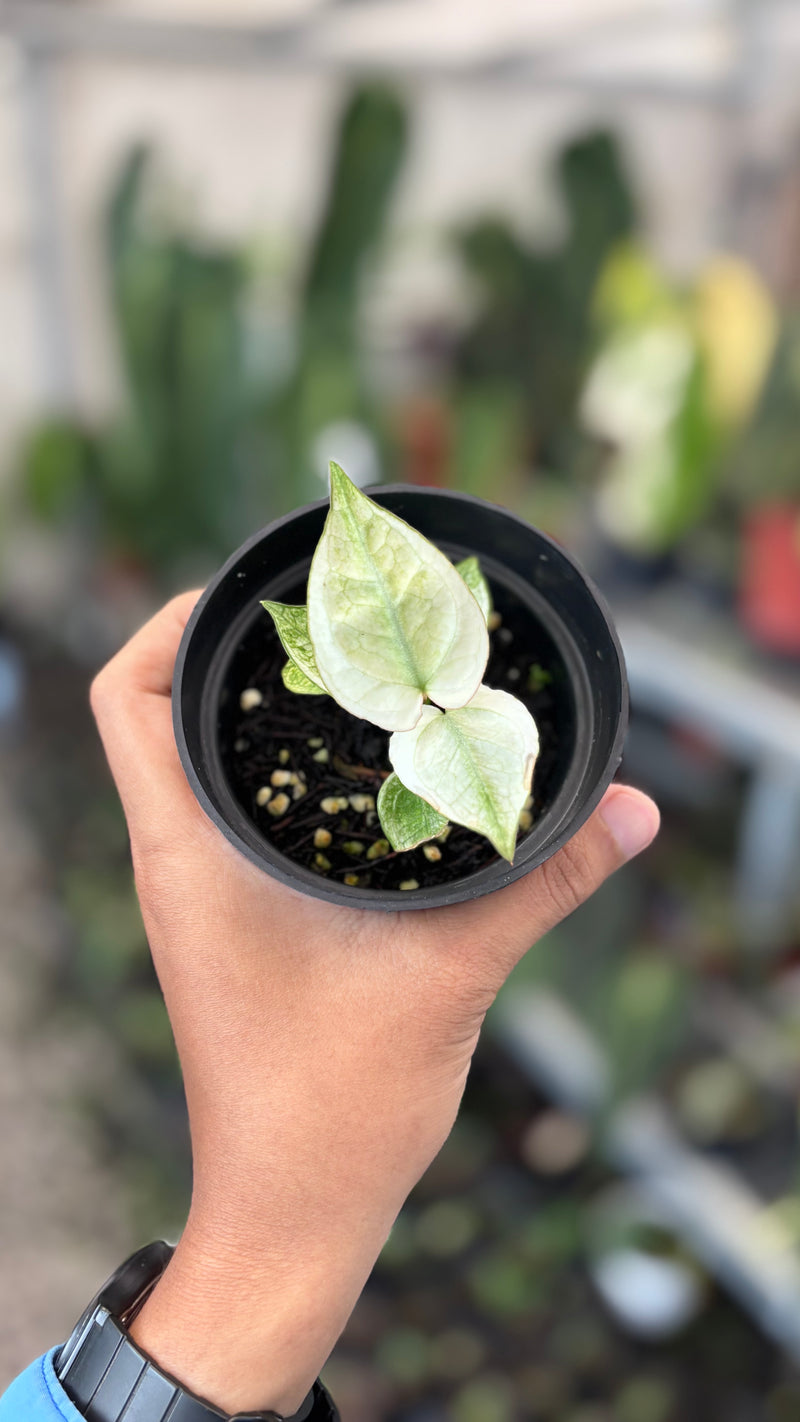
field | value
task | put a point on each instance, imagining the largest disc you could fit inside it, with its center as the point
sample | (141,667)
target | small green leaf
(296,680)
(406,820)
(470,570)
(473,764)
(389,617)
(291,624)
(538,678)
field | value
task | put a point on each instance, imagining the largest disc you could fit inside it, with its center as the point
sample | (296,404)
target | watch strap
(110,1380)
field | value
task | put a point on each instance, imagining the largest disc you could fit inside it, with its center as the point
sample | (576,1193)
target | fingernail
(633,820)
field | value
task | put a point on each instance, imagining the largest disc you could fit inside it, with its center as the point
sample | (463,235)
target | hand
(324,1050)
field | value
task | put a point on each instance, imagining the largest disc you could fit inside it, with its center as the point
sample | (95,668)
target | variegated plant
(397,635)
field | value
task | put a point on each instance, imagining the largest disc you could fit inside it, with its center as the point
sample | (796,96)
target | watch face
(122,1294)
(127,1289)
(66,1354)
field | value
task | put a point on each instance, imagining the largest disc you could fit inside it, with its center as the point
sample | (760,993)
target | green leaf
(390,619)
(470,570)
(474,764)
(406,820)
(296,680)
(291,624)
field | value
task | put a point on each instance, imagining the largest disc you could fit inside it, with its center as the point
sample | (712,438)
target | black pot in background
(515,558)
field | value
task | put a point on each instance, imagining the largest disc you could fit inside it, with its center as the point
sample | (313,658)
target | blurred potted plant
(299,782)
(764,483)
(209,442)
(676,378)
(327,402)
(520,364)
(167,486)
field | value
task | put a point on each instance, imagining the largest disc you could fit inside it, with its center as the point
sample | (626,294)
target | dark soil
(275,736)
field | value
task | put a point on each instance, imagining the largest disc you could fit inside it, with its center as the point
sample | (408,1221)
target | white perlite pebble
(378,849)
(315,742)
(250,698)
(432,852)
(322,838)
(362,803)
(332,804)
(410,884)
(281,777)
(323,756)
(264,795)
(279,805)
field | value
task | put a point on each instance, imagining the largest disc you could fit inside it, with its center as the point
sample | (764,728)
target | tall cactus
(327,385)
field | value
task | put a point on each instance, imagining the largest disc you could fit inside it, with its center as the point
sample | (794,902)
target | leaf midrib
(474,773)
(411,665)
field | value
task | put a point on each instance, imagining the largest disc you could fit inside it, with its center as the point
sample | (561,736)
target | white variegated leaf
(402,748)
(390,619)
(470,570)
(406,820)
(291,624)
(473,764)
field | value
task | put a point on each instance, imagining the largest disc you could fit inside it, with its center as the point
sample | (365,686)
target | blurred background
(549,255)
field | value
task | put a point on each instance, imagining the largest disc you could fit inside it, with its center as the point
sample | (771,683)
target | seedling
(397,635)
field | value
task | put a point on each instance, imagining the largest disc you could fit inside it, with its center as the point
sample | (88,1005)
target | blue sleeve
(37,1396)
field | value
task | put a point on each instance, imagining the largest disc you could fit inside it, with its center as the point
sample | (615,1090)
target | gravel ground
(64,1217)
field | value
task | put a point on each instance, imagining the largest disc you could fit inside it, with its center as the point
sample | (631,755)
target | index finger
(146,663)
(130,699)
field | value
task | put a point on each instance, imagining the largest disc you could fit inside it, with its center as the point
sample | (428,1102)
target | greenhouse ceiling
(719,50)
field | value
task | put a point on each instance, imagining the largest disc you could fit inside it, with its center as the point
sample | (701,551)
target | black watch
(109,1379)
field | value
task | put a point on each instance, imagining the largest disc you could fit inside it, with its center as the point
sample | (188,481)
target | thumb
(130,698)
(503,926)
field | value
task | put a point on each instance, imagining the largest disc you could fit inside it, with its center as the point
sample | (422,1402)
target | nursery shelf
(723,1221)
(702,678)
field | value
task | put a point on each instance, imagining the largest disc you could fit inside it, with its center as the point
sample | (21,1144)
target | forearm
(274,1256)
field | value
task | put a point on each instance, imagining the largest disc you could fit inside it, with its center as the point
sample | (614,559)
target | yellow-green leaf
(470,570)
(406,820)
(294,679)
(291,624)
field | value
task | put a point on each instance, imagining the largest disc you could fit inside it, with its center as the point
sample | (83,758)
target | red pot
(769,599)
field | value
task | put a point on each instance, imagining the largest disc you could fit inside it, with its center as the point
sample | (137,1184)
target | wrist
(241,1325)
(105,1373)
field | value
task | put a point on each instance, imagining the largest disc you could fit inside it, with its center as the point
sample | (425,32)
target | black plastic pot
(518,561)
